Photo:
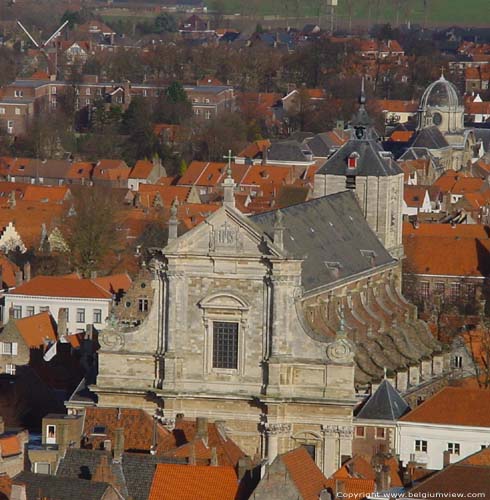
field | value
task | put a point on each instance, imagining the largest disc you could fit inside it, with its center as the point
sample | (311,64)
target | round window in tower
(437,119)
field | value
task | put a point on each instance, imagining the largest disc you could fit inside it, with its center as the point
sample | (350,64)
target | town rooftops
(188,482)
(447,255)
(306,476)
(331,235)
(37,330)
(385,404)
(9,446)
(453,406)
(55,487)
(470,475)
(55,286)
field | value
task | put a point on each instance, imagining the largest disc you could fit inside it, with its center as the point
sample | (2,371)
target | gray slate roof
(385,404)
(321,145)
(327,232)
(45,485)
(134,474)
(431,138)
(370,162)
(287,151)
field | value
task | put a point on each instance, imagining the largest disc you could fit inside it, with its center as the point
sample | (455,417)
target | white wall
(55,303)
(470,440)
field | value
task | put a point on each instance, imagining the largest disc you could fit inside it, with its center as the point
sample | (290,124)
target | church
(440,128)
(276,324)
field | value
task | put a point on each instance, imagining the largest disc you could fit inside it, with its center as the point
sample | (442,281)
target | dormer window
(352,160)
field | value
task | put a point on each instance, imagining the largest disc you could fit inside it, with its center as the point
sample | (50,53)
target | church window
(352,161)
(380,433)
(437,119)
(424,289)
(311,449)
(143,305)
(225,345)
(458,361)
(421,445)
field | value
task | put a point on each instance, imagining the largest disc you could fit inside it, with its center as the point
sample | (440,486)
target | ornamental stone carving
(276,429)
(110,339)
(341,431)
(340,350)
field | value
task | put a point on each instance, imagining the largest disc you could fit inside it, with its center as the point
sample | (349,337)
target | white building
(87,301)
(446,428)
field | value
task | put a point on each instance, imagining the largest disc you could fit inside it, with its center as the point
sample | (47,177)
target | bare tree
(91,228)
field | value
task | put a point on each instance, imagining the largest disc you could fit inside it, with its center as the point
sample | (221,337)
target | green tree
(165,23)
(173,106)
(182,167)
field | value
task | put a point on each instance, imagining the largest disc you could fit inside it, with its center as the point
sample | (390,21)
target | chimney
(27,271)
(137,200)
(192,454)
(62,439)
(173,222)
(11,312)
(446,458)
(18,278)
(62,322)
(103,472)
(93,275)
(202,428)
(383,478)
(18,492)
(118,443)
(2,426)
(214,457)
(279,230)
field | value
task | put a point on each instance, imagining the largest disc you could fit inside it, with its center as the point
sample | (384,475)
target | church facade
(273,323)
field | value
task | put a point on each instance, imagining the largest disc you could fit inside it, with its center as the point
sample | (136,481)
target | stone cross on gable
(229,184)
(229,157)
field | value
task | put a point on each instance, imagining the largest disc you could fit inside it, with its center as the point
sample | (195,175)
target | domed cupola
(441,105)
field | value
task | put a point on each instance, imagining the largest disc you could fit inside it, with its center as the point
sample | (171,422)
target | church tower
(361,165)
(441,105)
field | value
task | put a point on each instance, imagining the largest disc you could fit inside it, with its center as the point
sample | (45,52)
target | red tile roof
(401,135)
(8,271)
(453,406)
(414,196)
(447,256)
(10,445)
(54,194)
(80,170)
(168,194)
(192,482)
(141,170)
(179,443)
(352,487)
(305,474)
(447,230)
(54,286)
(137,425)
(37,330)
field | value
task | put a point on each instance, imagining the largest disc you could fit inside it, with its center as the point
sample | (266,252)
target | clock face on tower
(436,119)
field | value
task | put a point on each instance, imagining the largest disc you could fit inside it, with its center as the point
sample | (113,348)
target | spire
(173,222)
(442,74)
(362,95)
(361,122)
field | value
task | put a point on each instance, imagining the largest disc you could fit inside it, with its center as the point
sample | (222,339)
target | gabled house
(416,200)
(449,426)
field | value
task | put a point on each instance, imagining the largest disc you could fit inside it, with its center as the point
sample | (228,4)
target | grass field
(470,12)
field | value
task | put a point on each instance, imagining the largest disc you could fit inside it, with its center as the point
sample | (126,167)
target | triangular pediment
(227,232)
